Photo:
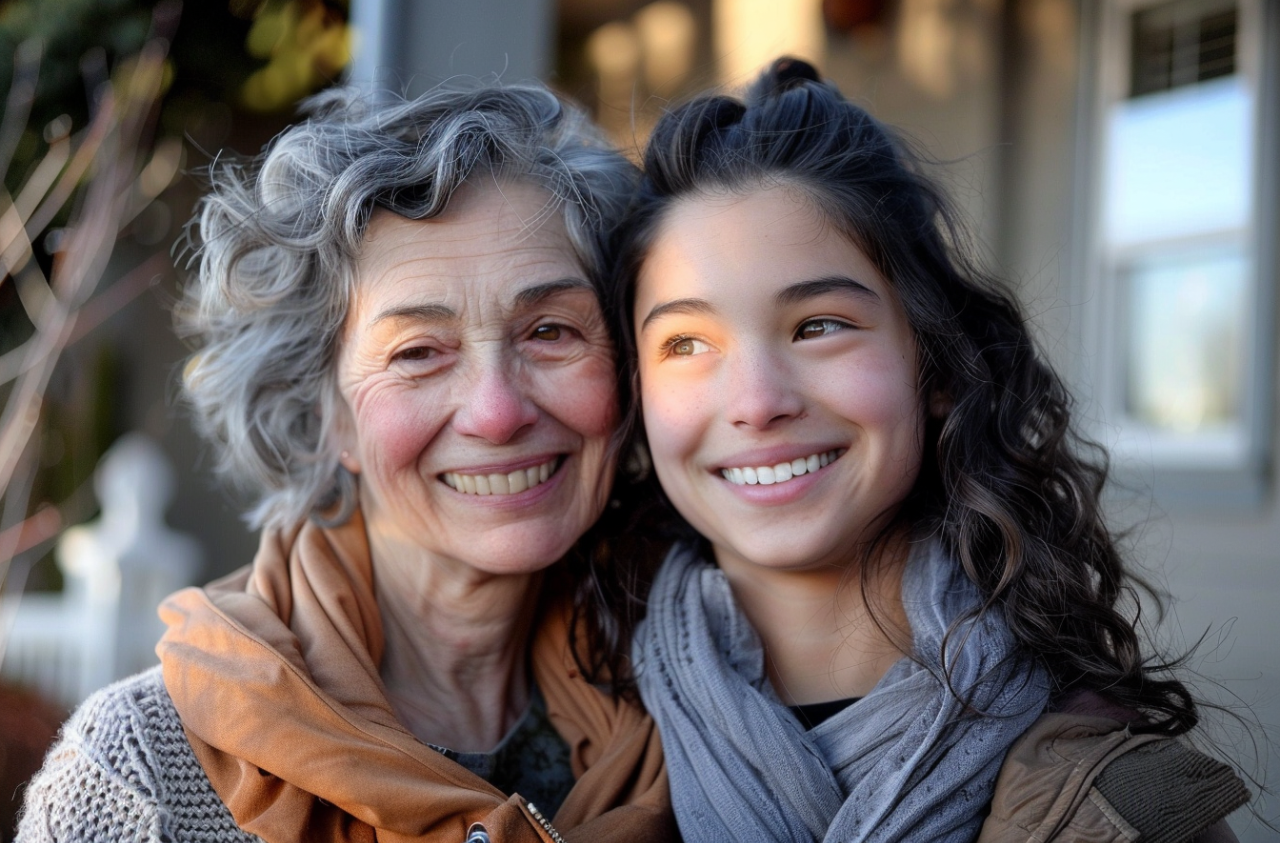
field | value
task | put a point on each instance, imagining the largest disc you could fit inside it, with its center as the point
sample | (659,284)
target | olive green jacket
(1078,775)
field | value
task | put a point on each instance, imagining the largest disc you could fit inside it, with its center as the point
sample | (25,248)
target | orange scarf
(274,672)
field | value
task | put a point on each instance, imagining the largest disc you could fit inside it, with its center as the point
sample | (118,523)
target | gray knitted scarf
(908,762)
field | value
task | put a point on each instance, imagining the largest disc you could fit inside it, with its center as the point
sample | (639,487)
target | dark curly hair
(1008,485)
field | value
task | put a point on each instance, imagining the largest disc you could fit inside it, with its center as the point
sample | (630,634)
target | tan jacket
(1081,777)
(274,673)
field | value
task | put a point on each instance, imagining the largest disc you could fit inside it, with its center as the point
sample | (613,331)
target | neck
(821,640)
(456,659)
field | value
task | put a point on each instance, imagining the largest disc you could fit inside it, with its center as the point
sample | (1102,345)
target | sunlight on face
(779,380)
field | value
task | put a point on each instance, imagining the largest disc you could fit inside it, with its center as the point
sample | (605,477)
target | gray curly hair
(272,250)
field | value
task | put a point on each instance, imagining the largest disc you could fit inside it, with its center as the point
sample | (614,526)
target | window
(1181,43)
(1181,275)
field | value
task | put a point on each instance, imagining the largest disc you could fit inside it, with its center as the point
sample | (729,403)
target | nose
(495,406)
(761,390)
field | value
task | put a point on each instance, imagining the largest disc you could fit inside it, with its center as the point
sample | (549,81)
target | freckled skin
(745,382)
(442,368)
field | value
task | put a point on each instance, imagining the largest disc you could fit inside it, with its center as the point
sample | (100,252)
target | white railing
(103,626)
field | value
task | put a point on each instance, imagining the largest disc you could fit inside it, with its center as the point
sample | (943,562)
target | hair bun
(787,72)
(781,76)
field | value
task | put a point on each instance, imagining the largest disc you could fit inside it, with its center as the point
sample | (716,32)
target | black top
(812,714)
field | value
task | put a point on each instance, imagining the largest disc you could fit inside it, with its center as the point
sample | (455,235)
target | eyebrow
(530,296)
(417,312)
(821,286)
(527,297)
(688,306)
(790,295)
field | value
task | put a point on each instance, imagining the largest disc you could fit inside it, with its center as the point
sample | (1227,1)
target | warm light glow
(927,46)
(614,52)
(667,32)
(751,33)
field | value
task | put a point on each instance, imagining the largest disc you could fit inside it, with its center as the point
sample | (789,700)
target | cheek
(877,392)
(892,414)
(395,424)
(584,398)
(671,423)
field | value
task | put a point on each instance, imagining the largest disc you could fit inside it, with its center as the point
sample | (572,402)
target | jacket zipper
(546,824)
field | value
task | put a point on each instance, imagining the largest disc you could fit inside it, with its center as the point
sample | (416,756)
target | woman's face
(778,380)
(478,376)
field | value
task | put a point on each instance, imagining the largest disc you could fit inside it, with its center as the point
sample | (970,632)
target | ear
(349,461)
(343,438)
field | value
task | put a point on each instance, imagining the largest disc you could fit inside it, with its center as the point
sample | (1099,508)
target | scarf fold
(274,672)
(908,762)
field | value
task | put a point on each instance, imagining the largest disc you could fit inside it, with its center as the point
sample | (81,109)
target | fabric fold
(274,672)
(910,761)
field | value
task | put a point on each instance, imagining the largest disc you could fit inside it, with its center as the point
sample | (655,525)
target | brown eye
(417,352)
(684,347)
(547,333)
(815,328)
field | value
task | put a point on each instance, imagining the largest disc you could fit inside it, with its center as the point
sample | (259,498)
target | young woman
(898,585)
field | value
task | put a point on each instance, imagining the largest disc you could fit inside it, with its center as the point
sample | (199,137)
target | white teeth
(500,484)
(768,475)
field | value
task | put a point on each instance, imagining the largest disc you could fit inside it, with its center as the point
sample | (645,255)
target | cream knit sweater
(123,770)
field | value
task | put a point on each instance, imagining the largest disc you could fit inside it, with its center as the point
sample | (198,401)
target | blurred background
(1118,160)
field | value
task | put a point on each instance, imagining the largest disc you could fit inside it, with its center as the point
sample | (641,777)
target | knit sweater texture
(123,770)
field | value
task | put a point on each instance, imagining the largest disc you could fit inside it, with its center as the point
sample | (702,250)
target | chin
(520,553)
(793,553)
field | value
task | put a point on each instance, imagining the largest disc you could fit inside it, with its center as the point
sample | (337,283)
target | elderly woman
(402,351)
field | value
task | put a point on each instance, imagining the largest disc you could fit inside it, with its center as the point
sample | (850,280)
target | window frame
(1183,471)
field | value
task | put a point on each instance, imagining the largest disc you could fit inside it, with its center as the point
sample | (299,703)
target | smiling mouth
(502,484)
(770,475)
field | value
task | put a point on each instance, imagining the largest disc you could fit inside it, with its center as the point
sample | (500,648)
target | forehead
(728,244)
(489,234)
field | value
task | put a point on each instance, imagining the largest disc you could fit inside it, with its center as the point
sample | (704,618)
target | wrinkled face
(478,376)
(778,380)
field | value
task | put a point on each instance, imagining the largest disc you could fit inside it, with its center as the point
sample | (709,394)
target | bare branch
(112,146)
(22,94)
(101,170)
(97,310)
(13,219)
